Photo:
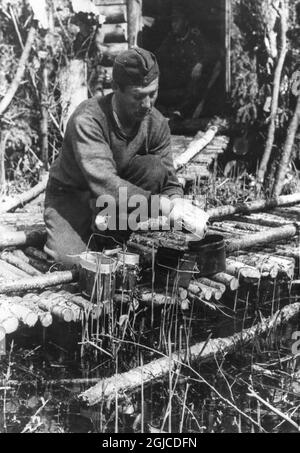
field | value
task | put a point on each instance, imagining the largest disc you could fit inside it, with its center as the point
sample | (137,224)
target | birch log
(41,282)
(132,380)
(194,148)
(20,238)
(273,235)
(24,198)
(256,206)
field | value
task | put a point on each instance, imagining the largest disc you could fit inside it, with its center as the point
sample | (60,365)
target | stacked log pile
(31,309)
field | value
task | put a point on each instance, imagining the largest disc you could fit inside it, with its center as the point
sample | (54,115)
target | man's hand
(193,219)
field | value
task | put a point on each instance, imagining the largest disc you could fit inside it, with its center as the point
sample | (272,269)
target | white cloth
(189,216)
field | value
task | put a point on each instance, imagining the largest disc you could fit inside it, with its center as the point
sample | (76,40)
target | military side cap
(135,66)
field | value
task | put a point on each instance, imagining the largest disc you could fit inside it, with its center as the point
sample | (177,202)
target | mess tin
(210,255)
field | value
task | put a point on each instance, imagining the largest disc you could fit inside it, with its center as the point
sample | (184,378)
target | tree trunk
(287,151)
(275,97)
(134,14)
(73,88)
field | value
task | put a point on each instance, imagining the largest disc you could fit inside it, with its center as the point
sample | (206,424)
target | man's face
(136,101)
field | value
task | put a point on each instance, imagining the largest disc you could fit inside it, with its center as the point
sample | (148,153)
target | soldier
(115,142)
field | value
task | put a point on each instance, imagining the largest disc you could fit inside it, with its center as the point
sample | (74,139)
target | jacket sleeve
(161,145)
(95,159)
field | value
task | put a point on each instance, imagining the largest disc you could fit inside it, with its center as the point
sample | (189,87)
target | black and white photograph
(149,219)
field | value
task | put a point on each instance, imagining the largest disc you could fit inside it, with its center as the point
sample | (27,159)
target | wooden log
(31,300)
(197,288)
(56,307)
(289,253)
(121,384)
(275,234)
(9,322)
(229,281)
(286,265)
(264,263)
(255,206)
(39,266)
(12,272)
(24,198)
(22,313)
(10,258)
(149,298)
(61,305)
(22,238)
(44,281)
(213,284)
(195,147)
(35,253)
(239,269)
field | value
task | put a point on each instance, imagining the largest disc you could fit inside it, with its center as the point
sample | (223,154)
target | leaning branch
(24,198)
(4,104)
(132,380)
